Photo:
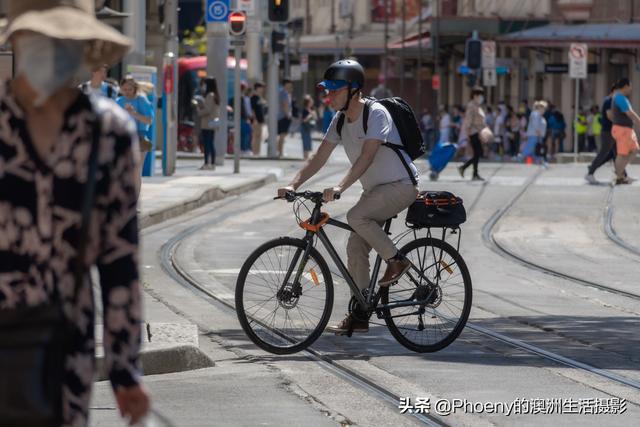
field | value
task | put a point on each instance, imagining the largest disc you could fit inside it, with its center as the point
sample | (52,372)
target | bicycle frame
(314,227)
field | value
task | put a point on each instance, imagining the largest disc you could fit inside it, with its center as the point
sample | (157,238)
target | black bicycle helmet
(348,70)
(345,72)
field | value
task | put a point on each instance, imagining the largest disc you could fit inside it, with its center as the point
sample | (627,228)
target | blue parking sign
(217,10)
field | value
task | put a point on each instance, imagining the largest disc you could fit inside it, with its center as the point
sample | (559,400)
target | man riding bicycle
(388,188)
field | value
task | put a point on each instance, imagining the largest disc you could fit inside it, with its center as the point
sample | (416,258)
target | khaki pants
(366,218)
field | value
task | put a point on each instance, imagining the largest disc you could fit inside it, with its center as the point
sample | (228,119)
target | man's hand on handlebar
(284,190)
(331,194)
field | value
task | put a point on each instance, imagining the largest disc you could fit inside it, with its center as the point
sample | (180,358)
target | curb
(211,195)
(165,361)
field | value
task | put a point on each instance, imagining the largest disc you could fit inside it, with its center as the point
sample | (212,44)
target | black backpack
(404,120)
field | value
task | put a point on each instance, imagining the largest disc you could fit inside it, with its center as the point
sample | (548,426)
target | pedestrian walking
(557,125)
(513,133)
(456,123)
(141,110)
(500,129)
(622,130)
(209,118)
(258,105)
(381,91)
(246,120)
(327,114)
(307,123)
(580,126)
(477,131)
(445,125)
(536,130)
(593,129)
(284,113)
(98,84)
(427,127)
(68,168)
(607,149)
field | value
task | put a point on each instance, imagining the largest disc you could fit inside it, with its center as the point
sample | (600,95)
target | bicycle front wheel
(439,288)
(278,313)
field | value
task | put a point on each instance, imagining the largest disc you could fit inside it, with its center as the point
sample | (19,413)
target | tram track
(492,243)
(609,211)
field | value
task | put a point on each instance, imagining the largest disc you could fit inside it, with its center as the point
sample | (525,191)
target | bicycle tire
(454,259)
(284,343)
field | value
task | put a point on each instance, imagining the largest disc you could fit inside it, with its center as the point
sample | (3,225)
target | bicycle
(291,274)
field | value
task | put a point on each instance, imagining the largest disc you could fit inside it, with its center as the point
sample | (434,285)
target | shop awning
(560,35)
(367,43)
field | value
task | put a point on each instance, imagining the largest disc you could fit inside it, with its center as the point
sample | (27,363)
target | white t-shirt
(386,166)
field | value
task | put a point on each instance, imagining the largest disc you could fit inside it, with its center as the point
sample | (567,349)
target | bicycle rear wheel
(440,281)
(284,317)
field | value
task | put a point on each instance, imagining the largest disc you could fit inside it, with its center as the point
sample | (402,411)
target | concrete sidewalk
(162,198)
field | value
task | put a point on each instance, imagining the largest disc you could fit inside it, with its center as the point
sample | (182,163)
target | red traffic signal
(278,10)
(237,23)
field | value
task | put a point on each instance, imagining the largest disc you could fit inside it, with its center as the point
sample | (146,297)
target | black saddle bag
(436,209)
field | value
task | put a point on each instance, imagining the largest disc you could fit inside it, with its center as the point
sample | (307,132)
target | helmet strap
(349,96)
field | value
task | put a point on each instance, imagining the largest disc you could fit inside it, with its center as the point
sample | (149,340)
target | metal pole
(419,80)
(170,101)
(134,27)
(402,52)
(254,48)
(436,57)
(217,52)
(272,100)
(575,121)
(237,98)
(287,62)
(386,39)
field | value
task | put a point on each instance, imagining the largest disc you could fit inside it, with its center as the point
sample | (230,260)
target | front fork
(296,288)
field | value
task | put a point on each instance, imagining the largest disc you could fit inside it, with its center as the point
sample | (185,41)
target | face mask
(480,99)
(48,64)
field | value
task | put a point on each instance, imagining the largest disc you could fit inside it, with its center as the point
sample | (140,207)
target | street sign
(489,77)
(296,72)
(237,23)
(488,54)
(247,6)
(217,10)
(304,62)
(578,54)
(435,82)
(563,68)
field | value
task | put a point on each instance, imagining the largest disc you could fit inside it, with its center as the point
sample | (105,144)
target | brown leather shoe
(342,328)
(395,270)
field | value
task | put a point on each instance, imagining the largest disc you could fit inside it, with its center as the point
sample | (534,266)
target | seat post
(387,224)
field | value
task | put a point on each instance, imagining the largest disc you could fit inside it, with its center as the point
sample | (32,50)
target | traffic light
(278,10)
(473,53)
(237,23)
(277,41)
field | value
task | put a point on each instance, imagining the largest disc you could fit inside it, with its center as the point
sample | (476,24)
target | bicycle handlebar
(315,196)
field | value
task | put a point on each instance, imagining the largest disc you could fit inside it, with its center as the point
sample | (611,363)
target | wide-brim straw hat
(68,20)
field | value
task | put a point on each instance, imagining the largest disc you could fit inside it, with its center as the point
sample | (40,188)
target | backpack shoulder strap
(365,114)
(340,124)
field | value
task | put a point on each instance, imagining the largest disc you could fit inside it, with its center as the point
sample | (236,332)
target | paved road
(557,222)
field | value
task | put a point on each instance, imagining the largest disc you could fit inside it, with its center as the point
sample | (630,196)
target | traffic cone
(529,160)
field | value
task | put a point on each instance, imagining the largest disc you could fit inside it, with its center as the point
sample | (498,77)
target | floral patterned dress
(40,216)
